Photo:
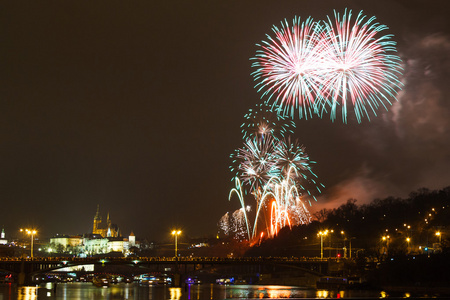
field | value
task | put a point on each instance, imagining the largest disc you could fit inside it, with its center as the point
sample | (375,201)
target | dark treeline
(362,227)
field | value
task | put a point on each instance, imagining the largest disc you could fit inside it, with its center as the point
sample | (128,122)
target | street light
(345,238)
(386,238)
(176,233)
(329,250)
(350,243)
(30,232)
(322,234)
(439,234)
(349,239)
(408,240)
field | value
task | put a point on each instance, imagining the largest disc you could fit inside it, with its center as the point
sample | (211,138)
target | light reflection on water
(77,290)
(27,293)
(175,293)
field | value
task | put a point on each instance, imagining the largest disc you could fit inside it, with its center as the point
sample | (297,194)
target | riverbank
(427,291)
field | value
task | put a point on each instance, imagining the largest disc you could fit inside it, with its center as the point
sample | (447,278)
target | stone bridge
(247,267)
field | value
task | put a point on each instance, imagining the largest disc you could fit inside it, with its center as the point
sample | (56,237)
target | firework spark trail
(287,208)
(265,120)
(255,161)
(261,159)
(279,218)
(313,65)
(224,224)
(357,64)
(239,222)
(290,155)
(284,192)
(238,191)
(276,170)
(285,66)
(263,129)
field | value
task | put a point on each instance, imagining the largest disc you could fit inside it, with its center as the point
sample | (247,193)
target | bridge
(25,269)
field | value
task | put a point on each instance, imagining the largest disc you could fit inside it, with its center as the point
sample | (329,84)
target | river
(82,290)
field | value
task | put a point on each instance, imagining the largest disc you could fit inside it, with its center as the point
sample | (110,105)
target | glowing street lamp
(439,235)
(350,248)
(345,238)
(408,240)
(329,250)
(386,238)
(322,234)
(30,232)
(176,233)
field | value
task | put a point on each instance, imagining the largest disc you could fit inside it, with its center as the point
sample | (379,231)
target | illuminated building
(3,240)
(117,245)
(64,243)
(104,229)
(105,238)
(96,245)
(132,240)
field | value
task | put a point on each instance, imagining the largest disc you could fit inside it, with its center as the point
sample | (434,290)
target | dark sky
(136,106)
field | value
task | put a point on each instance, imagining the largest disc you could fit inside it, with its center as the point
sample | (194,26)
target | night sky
(136,106)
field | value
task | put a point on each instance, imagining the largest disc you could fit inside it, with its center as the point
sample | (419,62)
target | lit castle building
(105,229)
(105,238)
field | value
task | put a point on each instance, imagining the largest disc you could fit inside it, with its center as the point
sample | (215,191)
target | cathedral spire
(97,221)
(97,215)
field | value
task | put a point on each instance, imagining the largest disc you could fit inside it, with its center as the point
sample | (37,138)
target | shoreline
(441,290)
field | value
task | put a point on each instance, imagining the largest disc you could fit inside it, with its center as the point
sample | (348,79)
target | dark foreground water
(200,292)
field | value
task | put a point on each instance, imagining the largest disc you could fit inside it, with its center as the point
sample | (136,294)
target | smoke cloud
(407,147)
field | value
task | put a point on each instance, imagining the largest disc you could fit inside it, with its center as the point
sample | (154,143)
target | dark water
(199,292)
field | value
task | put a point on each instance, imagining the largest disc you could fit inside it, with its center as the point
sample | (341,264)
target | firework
(238,191)
(299,213)
(306,68)
(313,66)
(282,196)
(235,224)
(239,223)
(265,120)
(255,161)
(286,66)
(359,65)
(279,171)
(224,223)
(294,214)
(290,154)
(279,218)
(291,158)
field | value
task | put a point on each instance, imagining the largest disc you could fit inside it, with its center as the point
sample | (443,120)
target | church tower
(97,221)
(132,239)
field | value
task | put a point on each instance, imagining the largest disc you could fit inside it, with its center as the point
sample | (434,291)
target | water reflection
(27,293)
(259,292)
(175,293)
(134,291)
(273,294)
(322,294)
